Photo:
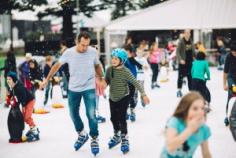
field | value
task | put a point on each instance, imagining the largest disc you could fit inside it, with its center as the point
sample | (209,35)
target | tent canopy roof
(181,14)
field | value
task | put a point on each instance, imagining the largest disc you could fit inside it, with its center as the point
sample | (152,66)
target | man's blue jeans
(89,97)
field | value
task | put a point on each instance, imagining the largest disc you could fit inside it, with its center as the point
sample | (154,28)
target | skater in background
(24,98)
(35,75)
(9,65)
(154,60)
(185,54)
(221,53)
(118,77)
(129,41)
(186,129)
(132,65)
(200,47)
(229,75)
(46,70)
(64,71)
(141,73)
(200,74)
(24,71)
(83,66)
(164,65)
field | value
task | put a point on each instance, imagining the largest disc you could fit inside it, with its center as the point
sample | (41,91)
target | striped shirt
(118,80)
(81,68)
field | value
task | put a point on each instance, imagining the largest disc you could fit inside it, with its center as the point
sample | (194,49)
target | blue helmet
(120,53)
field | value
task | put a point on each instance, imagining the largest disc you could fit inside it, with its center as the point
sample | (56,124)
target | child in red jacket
(22,96)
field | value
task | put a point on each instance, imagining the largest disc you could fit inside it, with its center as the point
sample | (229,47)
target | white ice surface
(146,134)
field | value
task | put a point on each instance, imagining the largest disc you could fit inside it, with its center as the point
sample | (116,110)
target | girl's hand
(195,123)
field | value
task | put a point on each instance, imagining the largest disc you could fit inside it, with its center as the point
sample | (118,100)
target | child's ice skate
(32,134)
(116,139)
(124,144)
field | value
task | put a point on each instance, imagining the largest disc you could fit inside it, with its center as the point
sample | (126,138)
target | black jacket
(22,94)
(36,73)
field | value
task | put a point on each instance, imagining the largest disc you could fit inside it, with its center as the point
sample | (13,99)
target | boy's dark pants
(118,114)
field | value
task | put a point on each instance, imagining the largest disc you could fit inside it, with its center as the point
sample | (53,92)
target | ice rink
(146,135)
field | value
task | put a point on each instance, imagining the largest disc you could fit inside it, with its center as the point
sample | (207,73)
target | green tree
(120,8)
(7,6)
(148,3)
(68,9)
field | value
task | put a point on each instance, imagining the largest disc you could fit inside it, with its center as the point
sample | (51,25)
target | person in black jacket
(35,75)
(229,76)
(24,98)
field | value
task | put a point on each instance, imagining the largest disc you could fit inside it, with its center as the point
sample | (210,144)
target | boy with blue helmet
(118,77)
(121,54)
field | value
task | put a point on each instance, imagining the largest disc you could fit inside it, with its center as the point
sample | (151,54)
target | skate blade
(125,152)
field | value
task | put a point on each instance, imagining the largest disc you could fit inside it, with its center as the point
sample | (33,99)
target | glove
(8,100)
(13,102)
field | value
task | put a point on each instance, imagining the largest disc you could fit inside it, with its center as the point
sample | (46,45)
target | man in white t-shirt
(84,66)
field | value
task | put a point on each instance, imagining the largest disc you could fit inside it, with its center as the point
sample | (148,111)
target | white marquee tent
(181,14)
(178,15)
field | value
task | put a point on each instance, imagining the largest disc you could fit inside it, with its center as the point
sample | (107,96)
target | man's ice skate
(116,139)
(82,139)
(32,134)
(124,144)
(94,146)
(101,119)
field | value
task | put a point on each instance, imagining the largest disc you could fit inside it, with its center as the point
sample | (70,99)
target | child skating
(186,129)
(24,98)
(200,74)
(118,77)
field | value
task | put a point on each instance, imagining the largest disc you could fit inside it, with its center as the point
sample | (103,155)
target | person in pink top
(154,59)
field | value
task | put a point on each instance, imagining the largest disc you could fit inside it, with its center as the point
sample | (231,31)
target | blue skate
(94,146)
(132,117)
(226,121)
(101,119)
(127,116)
(179,94)
(32,135)
(124,144)
(82,139)
(116,139)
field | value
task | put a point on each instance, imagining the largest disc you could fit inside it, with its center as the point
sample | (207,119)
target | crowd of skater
(78,74)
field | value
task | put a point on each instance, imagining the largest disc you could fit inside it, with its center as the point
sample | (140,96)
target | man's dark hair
(83,34)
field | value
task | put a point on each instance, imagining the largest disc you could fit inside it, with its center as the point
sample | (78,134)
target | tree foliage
(148,3)
(67,9)
(121,8)
(6,6)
